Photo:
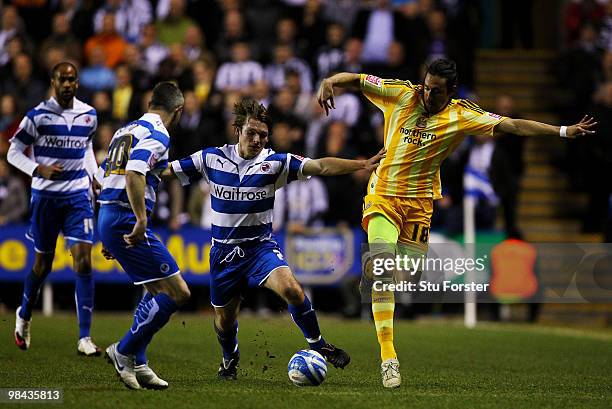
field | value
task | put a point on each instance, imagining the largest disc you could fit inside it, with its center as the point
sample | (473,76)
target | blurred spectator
(104,134)
(517,23)
(126,99)
(261,92)
(579,71)
(312,28)
(61,37)
(286,33)
(281,139)
(352,56)
(36,13)
(173,27)
(97,76)
(11,27)
(9,117)
(579,13)
(598,165)
(193,44)
(132,57)
(302,106)
(81,15)
(396,65)
(108,39)
(203,72)
(507,165)
(101,101)
(52,56)
(347,109)
(13,195)
(153,52)
(261,18)
(478,182)
(340,189)
(281,109)
(343,11)
(284,59)
(240,73)
(188,135)
(300,205)
(234,31)
(130,17)
(316,126)
(605,36)
(378,28)
(330,56)
(22,82)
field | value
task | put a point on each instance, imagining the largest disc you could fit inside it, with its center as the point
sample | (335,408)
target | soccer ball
(307,368)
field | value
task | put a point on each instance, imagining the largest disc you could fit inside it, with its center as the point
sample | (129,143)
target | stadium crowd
(278,51)
(585,71)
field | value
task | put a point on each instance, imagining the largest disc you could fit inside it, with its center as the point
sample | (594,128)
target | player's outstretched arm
(524,127)
(135,186)
(337,166)
(325,96)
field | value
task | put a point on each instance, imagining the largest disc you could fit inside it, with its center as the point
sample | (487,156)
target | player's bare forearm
(337,166)
(525,127)
(168,175)
(135,186)
(344,80)
(325,95)
(332,166)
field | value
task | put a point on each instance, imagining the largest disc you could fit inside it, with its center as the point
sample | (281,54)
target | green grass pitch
(443,366)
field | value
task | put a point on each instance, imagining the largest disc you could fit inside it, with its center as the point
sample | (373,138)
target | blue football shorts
(147,261)
(71,215)
(234,267)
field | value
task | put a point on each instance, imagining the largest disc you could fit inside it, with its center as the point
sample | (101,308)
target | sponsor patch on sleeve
(374,80)
(494,115)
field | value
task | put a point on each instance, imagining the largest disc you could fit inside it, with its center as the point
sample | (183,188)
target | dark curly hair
(249,108)
(445,68)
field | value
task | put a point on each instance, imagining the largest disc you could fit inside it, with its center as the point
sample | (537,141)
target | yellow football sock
(383,306)
(382,231)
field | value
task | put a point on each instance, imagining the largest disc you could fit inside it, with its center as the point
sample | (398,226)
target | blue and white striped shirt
(140,146)
(59,136)
(242,190)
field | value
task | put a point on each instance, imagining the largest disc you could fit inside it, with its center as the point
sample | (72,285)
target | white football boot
(149,379)
(86,347)
(124,365)
(389,370)
(22,331)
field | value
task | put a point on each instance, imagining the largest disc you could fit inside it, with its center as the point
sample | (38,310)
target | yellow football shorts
(411,216)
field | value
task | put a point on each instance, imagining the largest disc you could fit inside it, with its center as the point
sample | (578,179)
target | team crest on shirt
(422,121)
(87,120)
(265,167)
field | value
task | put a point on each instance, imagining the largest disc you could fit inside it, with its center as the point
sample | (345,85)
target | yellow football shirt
(416,142)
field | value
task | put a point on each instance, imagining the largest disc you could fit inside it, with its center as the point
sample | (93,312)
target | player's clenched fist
(49,172)
(137,235)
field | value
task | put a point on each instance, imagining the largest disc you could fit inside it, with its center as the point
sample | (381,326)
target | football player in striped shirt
(243,179)
(130,174)
(423,125)
(59,132)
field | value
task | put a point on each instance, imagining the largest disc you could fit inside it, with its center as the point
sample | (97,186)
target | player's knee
(182,295)
(42,265)
(82,265)
(225,321)
(293,294)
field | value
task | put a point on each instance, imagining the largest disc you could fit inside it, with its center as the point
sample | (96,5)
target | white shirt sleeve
(17,158)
